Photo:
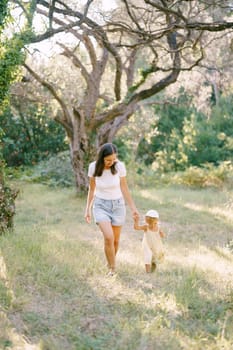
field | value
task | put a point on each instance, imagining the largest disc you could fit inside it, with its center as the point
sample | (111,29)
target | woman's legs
(116,233)
(111,241)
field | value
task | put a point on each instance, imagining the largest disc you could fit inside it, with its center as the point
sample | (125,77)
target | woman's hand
(90,197)
(135,214)
(87,217)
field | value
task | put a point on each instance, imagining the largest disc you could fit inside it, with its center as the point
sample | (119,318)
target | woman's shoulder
(120,166)
(91,168)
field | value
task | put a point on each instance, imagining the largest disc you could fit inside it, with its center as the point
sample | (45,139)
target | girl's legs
(153,264)
(111,240)
(147,254)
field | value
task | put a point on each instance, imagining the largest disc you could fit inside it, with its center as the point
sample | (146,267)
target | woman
(108,191)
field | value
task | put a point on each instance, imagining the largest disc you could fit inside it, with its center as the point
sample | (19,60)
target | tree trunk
(83,145)
(77,160)
(85,140)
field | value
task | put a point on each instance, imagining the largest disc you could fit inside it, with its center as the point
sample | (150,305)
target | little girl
(152,243)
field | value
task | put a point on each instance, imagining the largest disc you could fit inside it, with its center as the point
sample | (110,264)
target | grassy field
(55,295)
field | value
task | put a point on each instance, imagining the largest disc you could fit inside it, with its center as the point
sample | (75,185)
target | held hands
(135,214)
(137,226)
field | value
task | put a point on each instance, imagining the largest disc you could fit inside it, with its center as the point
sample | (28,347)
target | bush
(31,136)
(183,138)
(55,171)
(206,176)
(7,200)
(124,152)
(7,207)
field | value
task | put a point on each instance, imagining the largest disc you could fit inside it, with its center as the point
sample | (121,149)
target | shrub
(7,201)
(206,176)
(184,138)
(55,171)
(30,136)
(7,207)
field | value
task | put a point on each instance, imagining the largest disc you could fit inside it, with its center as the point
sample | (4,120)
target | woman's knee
(109,240)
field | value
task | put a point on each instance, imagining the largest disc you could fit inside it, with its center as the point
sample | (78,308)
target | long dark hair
(105,150)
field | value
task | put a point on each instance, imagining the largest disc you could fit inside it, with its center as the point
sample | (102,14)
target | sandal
(153,266)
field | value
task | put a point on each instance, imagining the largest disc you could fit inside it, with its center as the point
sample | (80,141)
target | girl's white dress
(153,247)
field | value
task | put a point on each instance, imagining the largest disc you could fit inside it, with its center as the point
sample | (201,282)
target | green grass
(55,295)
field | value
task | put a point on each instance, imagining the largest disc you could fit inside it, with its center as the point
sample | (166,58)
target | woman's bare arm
(126,193)
(90,197)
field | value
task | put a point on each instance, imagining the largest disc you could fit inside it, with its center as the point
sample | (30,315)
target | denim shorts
(113,211)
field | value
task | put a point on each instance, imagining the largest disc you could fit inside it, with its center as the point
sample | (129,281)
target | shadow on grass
(55,305)
(186,304)
(63,300)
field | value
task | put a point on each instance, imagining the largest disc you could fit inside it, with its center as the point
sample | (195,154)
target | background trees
(182,136)
(120,59)
(30,135)
(11,56)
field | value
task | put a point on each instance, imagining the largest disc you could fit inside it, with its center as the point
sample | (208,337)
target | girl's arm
(139,227)
(90,197)
(127,196)
(162,234)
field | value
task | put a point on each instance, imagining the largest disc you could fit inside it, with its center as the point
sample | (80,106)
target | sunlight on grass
(226,213)
(130,258)
(150,195)
(2,268)
(218,269)
(8,335)
(54,264)
(10,339)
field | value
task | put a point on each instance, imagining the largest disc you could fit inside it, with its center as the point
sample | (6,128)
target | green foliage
(11,56)
(55,171)
(3,12)
(165,141)
(183,137)
(124,151)
(5,296)
(143,73)
(208,175)
(30,136)
(230,246)
(214,137)
(7,197)
(7,206)
(11,49)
